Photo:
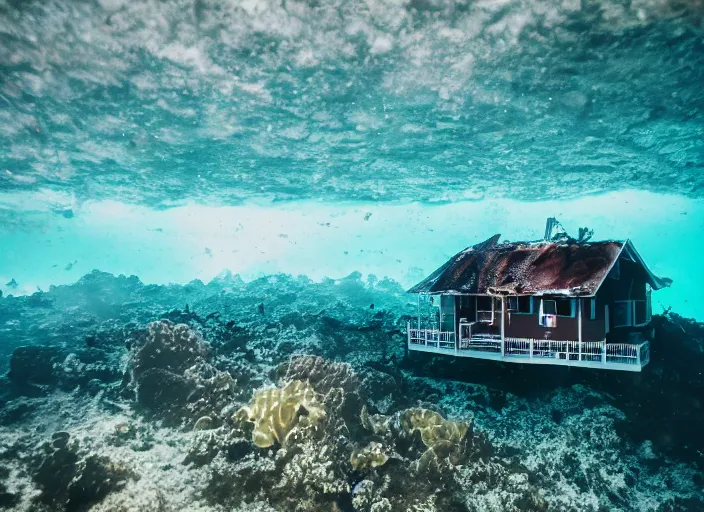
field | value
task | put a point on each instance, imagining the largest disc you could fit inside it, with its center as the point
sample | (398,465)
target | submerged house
(558,301)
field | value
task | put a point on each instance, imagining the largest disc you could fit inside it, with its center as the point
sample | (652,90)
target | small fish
(12,285)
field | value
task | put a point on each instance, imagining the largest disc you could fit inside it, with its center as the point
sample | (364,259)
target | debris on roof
(566,267)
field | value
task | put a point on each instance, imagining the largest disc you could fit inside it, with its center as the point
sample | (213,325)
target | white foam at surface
(402,241)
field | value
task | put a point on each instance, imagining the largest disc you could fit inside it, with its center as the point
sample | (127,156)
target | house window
(592,309)
(485,309)
(622,313)
(640,314)
(630,313)
(548,313)
(550,309)
(565,307)
(522,304)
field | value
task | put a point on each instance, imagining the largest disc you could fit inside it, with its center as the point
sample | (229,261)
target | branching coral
(281,413)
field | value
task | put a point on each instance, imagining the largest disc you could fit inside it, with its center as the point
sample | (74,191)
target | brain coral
(277,413)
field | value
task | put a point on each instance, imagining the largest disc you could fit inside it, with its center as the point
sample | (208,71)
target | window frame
(629,314)
(631,309)
(645,316)
(492,311)
(542,316)
(517,298)
(573,309)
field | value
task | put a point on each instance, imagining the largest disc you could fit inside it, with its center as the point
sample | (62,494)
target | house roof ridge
(558,242)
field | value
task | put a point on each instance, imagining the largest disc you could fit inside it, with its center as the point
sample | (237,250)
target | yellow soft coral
(371,456)
(279,412)
(376,423)
(436,432)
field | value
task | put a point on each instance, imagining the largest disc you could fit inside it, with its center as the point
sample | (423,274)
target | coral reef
(120,397)
(167,346)
(34,364)
(171,375)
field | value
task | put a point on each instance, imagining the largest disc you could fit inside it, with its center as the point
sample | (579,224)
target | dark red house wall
(521,325)
(593,330)
(526,326)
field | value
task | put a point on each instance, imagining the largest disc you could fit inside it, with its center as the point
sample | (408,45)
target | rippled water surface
(156,102)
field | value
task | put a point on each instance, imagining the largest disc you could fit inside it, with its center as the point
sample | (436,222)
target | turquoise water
(157,112)
(400,240)
(308,161)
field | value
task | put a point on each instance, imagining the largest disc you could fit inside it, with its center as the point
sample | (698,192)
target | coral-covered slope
(283,394)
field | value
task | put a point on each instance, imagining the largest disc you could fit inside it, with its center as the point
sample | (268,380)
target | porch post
(579,326)
(455,323)
(419,311)
(503,327)
(603,352)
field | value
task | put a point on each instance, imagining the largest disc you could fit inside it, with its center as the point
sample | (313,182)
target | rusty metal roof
(532,268)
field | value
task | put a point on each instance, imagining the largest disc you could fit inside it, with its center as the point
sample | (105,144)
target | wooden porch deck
(600,355)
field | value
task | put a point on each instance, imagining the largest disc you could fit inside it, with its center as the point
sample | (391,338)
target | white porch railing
(432,338)
(529,348)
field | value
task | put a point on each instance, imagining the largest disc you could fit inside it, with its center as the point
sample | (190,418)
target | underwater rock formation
(170,373)
(34,364)
(168,346)
(74,480)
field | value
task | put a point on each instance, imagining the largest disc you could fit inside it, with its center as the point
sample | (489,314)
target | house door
(447,313)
